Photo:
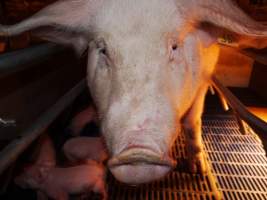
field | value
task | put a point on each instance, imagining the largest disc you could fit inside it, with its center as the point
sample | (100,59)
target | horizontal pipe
(259,57)
(11,152)
(21,59)
(254,54)
(258,125)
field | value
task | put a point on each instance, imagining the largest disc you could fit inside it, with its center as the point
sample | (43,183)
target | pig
(45,158)
(150,63)
(46,154)
(84,148)
(57,183)
(81,119)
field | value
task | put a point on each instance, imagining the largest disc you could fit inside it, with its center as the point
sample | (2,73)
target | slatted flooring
(238,169)
(179,184)
(238,161)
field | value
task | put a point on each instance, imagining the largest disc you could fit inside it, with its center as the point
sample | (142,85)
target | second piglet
(85,148)
(46,154)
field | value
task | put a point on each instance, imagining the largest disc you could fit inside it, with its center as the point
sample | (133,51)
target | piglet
(84,148)
(44,158)
(46,155)
(81,119)
(58,183)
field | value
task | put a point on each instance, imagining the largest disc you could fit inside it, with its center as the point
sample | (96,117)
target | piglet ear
(66,22)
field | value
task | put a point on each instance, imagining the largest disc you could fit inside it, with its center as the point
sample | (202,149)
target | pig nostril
(174,47)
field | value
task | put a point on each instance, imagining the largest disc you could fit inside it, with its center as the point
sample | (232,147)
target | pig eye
(174,47)
(103,51)
(173,51)
(102,47)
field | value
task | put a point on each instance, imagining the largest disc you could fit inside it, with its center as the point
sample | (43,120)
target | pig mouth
(137,156)
(140,165)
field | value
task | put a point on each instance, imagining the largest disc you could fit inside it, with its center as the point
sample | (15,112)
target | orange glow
(259,112)
(209,57)
(2,47)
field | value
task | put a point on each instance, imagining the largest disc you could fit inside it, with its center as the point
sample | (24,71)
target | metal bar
(241,124)
(255,54)
(211,89)
(258,125)
(8,177)
(21,59)
(223,102)
(11,152)
(259,57)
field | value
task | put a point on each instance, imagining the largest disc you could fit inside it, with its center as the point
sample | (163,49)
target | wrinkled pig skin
(58,183)
(81,119)
(84,148)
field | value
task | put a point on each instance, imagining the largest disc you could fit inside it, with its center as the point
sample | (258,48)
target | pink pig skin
(57,183)
(46,155)
(45,159)
(83,148)
(81,119)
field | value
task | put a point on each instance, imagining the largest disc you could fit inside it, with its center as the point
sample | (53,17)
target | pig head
(149,66)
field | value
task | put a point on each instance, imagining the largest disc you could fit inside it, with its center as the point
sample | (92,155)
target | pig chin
(137,165)
(139,173)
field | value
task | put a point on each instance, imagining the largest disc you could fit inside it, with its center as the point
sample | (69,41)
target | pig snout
(140,165)
(141,162)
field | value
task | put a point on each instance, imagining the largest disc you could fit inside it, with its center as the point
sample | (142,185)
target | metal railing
(257,124)
(11,152)
(259,57)
(20,60)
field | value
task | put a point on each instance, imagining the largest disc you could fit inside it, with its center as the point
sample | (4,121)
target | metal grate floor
(238,161)
(238,169)
(179,184)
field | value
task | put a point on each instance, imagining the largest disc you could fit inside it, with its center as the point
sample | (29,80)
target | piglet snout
(140,165)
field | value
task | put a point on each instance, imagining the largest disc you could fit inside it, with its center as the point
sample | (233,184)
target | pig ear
(230,24)
(65,22)
(211,34)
